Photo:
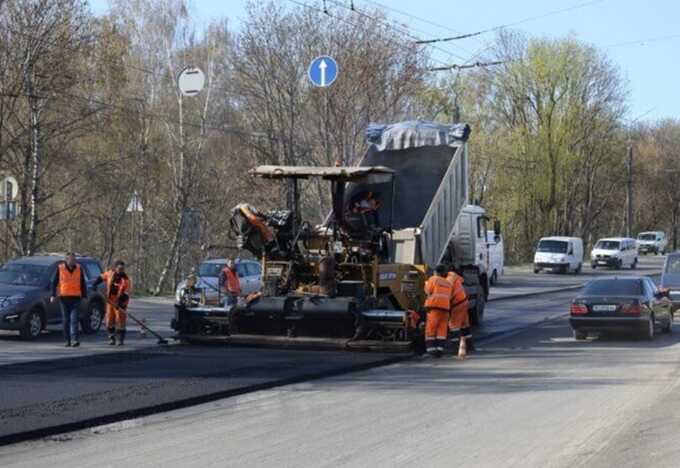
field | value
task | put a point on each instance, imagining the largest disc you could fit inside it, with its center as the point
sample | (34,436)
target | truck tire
(477,314)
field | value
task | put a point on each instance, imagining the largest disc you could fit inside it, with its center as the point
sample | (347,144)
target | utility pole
(629,192)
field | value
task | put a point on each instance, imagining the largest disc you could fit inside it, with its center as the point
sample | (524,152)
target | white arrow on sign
(322,67)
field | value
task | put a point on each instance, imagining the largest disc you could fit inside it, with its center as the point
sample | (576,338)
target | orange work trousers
(115,317)
(435,330)
(459,323)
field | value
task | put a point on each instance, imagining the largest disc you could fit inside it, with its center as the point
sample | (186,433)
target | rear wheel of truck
(477,314)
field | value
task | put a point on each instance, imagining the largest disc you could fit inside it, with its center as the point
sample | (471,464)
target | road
(531,397)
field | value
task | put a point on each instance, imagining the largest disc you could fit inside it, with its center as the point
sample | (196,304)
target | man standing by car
(232,285)
(117,297)
(69,286)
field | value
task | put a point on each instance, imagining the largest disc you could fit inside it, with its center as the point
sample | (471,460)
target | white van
(496,257)
(652,241)
(562,254)
(614,252)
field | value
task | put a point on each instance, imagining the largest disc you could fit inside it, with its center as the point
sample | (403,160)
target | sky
(641,38)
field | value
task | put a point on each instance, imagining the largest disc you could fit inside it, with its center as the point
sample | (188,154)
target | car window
(24,274)
(614,287)
(253,269)
(673,265)
(241,270)
(92,269)
(210,269)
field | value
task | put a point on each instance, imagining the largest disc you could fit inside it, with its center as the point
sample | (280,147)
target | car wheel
(619,264)
(578,269)
(648,334)
(537,270)
(580,335)
(92,321)
(32,327)
(494,278)
(633,265)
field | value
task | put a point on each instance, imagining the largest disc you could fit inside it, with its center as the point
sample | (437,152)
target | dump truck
(356,280)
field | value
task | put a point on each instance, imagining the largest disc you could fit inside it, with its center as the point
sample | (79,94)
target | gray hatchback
(670,278)
(25,290)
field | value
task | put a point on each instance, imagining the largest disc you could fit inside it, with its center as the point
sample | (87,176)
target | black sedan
(622,304)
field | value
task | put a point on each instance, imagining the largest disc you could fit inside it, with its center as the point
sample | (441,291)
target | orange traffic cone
(462,349)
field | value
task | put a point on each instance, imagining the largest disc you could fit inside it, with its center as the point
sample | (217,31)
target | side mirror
(571,252)
(662,292)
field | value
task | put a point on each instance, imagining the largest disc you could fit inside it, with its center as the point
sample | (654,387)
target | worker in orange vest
(70,288)
(232,285)
(117,292)
(437,304)
(459,322)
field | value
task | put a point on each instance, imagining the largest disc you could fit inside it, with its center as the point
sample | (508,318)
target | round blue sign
(323,71)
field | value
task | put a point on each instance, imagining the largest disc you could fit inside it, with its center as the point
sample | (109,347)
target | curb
(548,291)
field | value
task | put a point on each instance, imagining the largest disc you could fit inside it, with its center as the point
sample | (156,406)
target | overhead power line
(508,25)
(392,26)
(466,66)
(642,42)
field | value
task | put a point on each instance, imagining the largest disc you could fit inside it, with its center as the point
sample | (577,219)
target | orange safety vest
(231,282)
(123,286)
(439,291)
(69,282)
(458,296)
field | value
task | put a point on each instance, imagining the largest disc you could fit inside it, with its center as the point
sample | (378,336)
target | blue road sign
(323,71)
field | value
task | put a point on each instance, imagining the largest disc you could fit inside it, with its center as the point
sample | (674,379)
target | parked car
(249,274)
(562,254)
(26,288)
(614,252)
(496,256)
(652,242)
(670,279)
(621,304)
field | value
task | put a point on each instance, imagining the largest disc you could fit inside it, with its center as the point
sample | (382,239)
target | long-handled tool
(161,340)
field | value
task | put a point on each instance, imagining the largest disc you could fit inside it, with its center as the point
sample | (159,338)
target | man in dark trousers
(70,288)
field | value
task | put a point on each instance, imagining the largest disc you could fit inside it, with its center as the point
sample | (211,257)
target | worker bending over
(117,296)
(232,285)
(439,291)
(459,322)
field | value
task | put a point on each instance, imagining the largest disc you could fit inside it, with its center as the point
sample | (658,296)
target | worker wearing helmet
(459,322)
(232,285)
(117,297)
(437,304)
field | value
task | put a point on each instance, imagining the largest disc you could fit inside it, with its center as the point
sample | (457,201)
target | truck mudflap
(294,322)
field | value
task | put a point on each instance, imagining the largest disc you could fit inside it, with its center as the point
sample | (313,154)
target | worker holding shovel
(117,297)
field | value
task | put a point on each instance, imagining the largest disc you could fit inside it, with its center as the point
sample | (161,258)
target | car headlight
(9,301)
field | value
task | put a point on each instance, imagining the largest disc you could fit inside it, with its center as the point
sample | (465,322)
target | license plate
(602,262)
(275,271)
(604,308)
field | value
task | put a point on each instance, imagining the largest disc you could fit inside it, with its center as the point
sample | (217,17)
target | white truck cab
(562,254)
(614,252)
(652,242)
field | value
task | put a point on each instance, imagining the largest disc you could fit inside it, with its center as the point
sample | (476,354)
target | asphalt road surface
(531,397)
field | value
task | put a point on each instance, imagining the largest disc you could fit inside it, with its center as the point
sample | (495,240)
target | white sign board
(9,185)
(191,81)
